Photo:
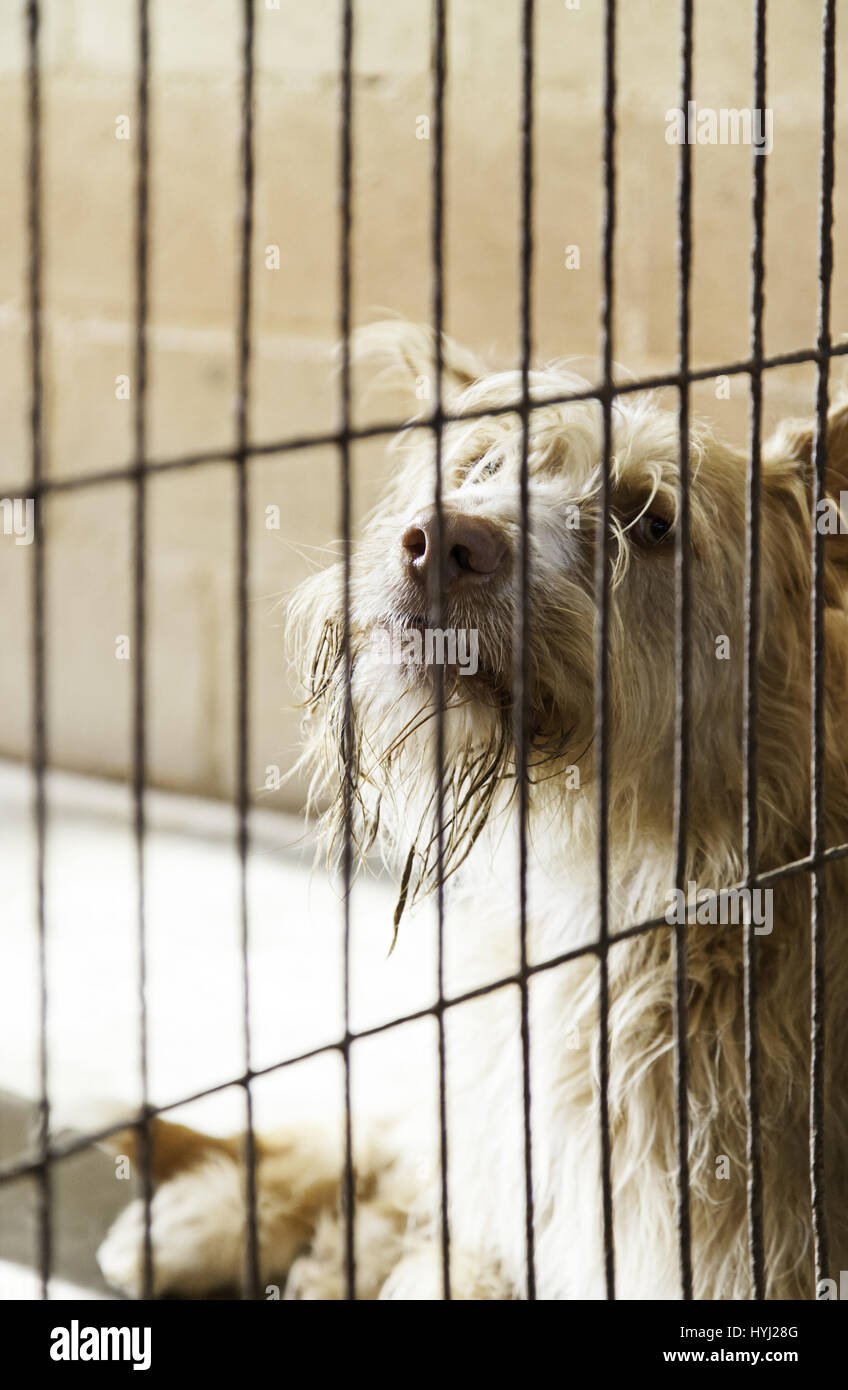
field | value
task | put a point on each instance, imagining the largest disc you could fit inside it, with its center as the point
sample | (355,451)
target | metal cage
(51,1151)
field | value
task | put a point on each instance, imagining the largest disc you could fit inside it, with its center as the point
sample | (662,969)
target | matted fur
(390,764)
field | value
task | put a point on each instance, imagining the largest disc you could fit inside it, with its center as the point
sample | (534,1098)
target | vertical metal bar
(682,708)
(251,1253)
(602,545)
(39,729)
(520,683)
(752,642)
(439,68)
(345,237)
(139,771)
(817,730)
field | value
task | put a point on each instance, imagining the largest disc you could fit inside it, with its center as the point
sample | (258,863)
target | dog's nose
(473,547)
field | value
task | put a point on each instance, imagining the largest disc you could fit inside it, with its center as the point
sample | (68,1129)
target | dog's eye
(651,529)
(484,468)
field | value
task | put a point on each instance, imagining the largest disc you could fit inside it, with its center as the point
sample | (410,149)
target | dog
(373,764)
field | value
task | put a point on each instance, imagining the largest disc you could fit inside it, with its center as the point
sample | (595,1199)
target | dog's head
(405,647)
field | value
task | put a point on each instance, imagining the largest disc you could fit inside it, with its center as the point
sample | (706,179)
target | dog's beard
(378,749)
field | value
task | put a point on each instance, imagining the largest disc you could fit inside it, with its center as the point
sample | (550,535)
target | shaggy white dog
(382,765)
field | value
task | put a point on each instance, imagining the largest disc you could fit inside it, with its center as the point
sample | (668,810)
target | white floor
(194,971)
(18,1283)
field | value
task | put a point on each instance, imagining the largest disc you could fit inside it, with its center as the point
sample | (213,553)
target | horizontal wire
(386,429)
(24,1167)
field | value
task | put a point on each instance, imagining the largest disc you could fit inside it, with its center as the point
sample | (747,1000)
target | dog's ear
(404,354)
(789,453)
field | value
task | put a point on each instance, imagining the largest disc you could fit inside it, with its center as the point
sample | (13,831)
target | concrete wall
(88,51)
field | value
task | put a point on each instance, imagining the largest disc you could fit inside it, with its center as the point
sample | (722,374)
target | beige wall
(89,82)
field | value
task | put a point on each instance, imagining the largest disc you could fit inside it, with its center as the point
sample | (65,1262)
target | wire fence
(51,1151)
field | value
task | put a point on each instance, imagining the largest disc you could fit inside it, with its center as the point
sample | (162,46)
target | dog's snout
(474,549)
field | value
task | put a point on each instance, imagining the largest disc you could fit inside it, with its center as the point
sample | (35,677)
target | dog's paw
(197,1236)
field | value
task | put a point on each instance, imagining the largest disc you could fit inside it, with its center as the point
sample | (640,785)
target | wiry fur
(387,753)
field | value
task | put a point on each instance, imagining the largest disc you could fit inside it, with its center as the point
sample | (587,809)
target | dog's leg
(419,1277)
(196,1228)
(198,1217)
